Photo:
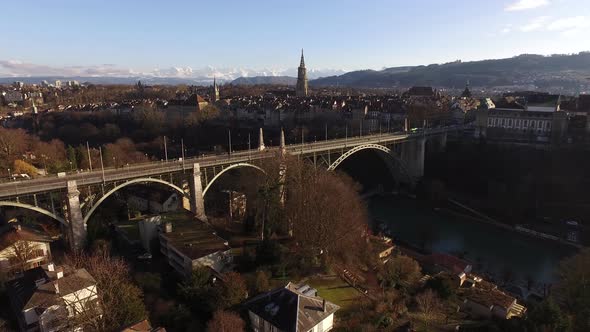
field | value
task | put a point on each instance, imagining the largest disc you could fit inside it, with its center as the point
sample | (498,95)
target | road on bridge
(49,183)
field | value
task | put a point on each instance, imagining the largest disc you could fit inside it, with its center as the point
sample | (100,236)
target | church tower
(215,94)
(301,87)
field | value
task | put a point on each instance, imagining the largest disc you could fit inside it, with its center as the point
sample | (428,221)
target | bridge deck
(52,183)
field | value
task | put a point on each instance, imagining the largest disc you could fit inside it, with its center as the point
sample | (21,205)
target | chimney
(59,273)
(50,267)
(323,305)
(56,285)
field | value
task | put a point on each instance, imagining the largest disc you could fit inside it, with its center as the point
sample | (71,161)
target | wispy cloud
(535,24)
(526,4)
(568,26)
(14,68)
(569,23)
(506,29)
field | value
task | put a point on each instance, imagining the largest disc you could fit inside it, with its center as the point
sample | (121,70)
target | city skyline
(235,39)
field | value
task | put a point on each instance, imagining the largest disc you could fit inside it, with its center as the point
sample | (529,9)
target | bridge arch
(127,183)
(238,165)
(371,146)
(34,208)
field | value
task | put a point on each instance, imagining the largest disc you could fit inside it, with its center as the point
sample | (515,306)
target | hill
(565,71)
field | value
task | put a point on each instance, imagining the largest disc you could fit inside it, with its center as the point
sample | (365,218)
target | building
(292,308)
(301,87)
(530,119)
(236,203)
(483,299)
(49,298)
(188,244)
(152,199)
(22,248)
(12,96)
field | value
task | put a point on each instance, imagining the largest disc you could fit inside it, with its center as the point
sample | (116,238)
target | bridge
(72,199)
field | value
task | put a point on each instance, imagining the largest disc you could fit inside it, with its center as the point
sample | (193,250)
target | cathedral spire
(301,87)
(302,63)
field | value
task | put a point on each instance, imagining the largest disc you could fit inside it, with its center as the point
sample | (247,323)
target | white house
(47,298)
(292,308)
(22,248)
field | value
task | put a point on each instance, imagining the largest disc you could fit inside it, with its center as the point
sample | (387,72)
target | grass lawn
(335,290)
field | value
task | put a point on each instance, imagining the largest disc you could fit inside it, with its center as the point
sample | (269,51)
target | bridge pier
(74,217)
(413,156)
(196,187)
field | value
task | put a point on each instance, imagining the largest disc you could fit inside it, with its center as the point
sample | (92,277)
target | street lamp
(9,174)
(71,167)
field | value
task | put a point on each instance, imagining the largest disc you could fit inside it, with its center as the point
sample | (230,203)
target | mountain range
(527,71)
(534,71)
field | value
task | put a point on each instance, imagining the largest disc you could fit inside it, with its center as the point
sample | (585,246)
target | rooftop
(192,237)
(37,286)
(14,232)
(289,310)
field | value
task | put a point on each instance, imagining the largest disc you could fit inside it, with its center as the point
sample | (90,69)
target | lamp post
(165,149)
(102,165)
(89,157)
(10,174)
(229,140)
(71,167)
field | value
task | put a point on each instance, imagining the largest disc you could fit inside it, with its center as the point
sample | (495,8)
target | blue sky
(191,38)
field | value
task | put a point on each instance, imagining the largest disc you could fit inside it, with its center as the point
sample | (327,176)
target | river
(491,250)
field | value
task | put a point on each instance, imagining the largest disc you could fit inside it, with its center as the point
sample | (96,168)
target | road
(51,183)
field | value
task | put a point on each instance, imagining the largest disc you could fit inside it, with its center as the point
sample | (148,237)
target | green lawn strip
(335,290)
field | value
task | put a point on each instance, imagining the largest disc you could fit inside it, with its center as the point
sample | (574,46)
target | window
(509,122)
(490,122)
(321,326)
(533,124)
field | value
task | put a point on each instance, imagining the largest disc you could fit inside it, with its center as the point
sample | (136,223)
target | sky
(232,38)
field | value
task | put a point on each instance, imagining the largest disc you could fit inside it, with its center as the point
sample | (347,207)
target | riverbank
(480,217)
(501,251)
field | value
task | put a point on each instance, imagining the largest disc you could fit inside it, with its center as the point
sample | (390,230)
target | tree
(13,144)
(401,270)
(261,283)
(234,289)
(225,321)
(120,301)
(324,210)
(429,305)
(444,285)
(575,285)
(22,250)
(198,291)
(23,167)
(547,317)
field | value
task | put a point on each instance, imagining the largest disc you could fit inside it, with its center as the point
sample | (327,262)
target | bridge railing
(83,178)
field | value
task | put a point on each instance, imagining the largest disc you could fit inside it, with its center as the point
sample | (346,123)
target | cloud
(535,24)
(506,29)
(568,26)
(526,4)
(16,68)
(569,23)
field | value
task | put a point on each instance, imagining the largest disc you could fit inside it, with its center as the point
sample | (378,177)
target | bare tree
(23,251)
(429,305)
(225,321)
(118,303)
